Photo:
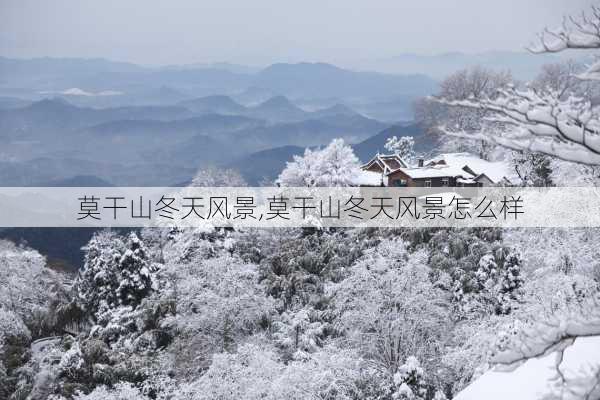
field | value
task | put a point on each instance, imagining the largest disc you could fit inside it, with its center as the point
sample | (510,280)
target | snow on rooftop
(391,161)
(495,170)
(437,171)
(537,378)
(368,178)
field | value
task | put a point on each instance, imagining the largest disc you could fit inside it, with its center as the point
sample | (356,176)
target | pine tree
(98,280)
(410,381)
(510,283)
(114,273)
(135,280)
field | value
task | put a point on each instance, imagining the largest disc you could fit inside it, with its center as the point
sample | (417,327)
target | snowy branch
(568,129)
(575,33)
(541,338)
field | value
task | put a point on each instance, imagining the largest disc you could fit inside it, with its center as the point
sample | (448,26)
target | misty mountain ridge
(55,129)
(196,116)
(291,80)
(523,65)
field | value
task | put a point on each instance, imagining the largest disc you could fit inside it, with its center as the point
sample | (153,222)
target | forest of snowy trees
(280,314)
(335,314)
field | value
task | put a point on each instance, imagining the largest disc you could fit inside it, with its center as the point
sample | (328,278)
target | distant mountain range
(56,115)
(523,65)
(79,122)
(51,140)
(32,78)
(164,152)
(276,108)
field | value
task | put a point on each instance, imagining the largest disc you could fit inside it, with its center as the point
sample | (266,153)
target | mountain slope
(366,149)
(320,80)
(58,116)
(265,164)
(217,104)
(278,108)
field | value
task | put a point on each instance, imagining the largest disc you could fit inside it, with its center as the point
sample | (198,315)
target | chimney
(421,161)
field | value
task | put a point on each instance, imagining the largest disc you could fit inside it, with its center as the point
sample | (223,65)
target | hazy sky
(259,32)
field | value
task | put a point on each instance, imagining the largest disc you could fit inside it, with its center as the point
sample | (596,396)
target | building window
(428,183)
(445,182)
(400,182)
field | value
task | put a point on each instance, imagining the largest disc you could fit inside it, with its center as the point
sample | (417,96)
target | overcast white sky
(260,32)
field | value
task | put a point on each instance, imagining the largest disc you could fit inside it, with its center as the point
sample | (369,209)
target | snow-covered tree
(71,363)
(561,78)
(473,83)
(501,283)
(403,147)
(120,391)
(115,273)
(99,278)
(410,381)
(300,332)
(389,308)
(134,278)
(302,171)
(25,280)
(256,372)
(335,165)
(249,373)
(218,177)
(565,173)
(532,169)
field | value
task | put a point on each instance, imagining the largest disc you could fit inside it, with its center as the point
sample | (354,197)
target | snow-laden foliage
(570,251)
(409,381)
(25,281)
(403,147)
(72,362)
(335,165)
(482,273)
(473,83)
(218,177)
(564,173)
(294,314)
(121,391)
(12,329)
(134,279)
(531,169)
(98,280)
(389,308)
(502,283)
(254,372)
(116,273)
(218,299)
